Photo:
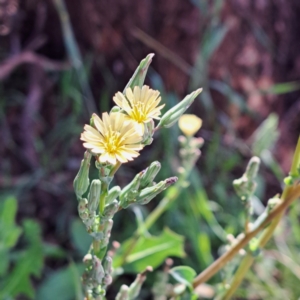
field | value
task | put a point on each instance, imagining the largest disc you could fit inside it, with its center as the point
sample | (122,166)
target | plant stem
(104,192)
(296,160)
(266,236)
(294,193)
(289,195)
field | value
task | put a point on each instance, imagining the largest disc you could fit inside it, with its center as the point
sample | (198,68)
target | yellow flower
(114,138)
(140,105)
(189,124)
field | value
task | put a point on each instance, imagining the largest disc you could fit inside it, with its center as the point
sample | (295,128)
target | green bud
(135,287)
(288,180)
(139,75)
(123,293)
(148,132)
(82,181)
(83,210)
(113,194)
(98,271)
(110,209)
(115,109)
(246,185)
(252,167)
(254,247)
(172,115)
(107,280)
(107,265)
(94,195)
(272,203)
(147,194)
(130,191)
(107,227)
(149,174)
(82,205)
(106,233)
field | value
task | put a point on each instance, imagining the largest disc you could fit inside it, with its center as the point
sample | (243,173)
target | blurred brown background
(58,64)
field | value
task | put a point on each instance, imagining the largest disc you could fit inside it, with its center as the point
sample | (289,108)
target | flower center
(138,112)
(113,141)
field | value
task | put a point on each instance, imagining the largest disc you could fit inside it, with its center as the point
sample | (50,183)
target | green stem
(103,195)
(290,194)
(267,234)
(296,160)
(239,275)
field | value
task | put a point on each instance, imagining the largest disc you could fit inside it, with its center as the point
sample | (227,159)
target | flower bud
(130,191)
(149,174)
(139,75)
(172,115)
(107,227)
(98,271)
(82,205)
(123,293)
(135,287)
(94,195)
(107,265)
(189,124)
(115,109)
(252,167)
(110,209)
(272,203)
(147,194)
(148,132)
(82,181)
(246,185)
(113,194)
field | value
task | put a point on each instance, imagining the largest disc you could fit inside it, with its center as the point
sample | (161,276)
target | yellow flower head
(189,124)
(114,138)
(140,104)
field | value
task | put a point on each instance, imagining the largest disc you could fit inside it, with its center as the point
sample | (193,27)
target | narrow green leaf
(282,88)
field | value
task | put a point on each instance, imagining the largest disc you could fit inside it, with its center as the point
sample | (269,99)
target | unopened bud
(189,124)
(106,233)
(172,115)
(148,132)
(110,209)
(149,174)
(82,181)
(272,203)
(123,293)
(147,194)
(98,271)
(139,75)
(94,195)
(252,167)
(135,287)
(107,280)
(115,109)
(130,191)
(82,205)
(107,265)
(113,194)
